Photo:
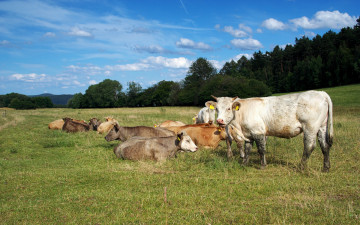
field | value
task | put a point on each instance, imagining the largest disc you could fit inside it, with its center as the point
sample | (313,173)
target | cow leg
(325,148)
(229,152)
(261,145)
(248,147)
(309,145)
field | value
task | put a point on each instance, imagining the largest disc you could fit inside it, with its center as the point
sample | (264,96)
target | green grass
(52,177)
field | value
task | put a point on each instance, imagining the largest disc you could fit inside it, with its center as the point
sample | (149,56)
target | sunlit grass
(54,177)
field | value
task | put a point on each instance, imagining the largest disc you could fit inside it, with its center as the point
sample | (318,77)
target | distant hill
(56,99)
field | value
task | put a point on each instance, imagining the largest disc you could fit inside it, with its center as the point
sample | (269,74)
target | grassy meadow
(52,177)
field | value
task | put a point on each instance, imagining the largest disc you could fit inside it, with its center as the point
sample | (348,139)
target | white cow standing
(282,116)
(205,115)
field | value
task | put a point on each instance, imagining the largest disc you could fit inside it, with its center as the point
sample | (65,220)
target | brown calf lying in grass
(73,126)
(155,148)
(123,133)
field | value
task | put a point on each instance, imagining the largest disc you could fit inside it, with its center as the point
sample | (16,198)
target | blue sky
(64,46)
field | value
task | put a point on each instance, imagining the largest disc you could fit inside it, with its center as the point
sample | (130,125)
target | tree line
(19,101)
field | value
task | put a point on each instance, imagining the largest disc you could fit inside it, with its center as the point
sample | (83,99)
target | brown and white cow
(72,126)
(155,148)
(284,116)
(123,133)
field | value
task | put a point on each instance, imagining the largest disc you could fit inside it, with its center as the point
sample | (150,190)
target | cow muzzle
(220,122)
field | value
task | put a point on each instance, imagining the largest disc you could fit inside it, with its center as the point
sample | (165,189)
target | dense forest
(19,101)
(332,59)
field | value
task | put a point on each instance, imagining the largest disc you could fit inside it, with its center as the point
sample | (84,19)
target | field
(52,177)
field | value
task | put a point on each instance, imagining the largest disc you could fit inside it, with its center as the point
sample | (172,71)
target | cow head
(221,131)
(94,123)
(114,133)
(185,142)
(225,107)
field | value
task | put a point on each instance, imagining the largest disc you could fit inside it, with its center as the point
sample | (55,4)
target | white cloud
(176,63)
(187,43)
(235,32)
(273,24)
(325,19)
(75,31)
(92,82)
(31,77)
(240,32)
(128,67)
(49,34)
(237,57)
(246,44)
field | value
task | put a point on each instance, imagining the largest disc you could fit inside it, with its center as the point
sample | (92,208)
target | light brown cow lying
(56,124)
(105,127)
(124,133)
(208,137)
(177,129)
(170,123)
(155,148)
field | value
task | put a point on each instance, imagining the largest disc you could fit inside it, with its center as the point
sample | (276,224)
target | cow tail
(329,129)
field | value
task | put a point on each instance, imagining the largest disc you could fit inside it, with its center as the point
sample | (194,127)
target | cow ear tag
(237,108)
(179,139)
(212,107)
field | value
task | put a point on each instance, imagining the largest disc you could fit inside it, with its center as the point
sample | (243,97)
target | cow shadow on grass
(254,159)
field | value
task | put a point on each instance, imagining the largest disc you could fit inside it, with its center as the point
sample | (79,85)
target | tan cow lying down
(105,127)
(170,123)
(177,129)
(73,126)
(124,133)
(208,137)
(155,148)
(56,124)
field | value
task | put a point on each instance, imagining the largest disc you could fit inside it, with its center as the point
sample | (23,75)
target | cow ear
(211,104)
(236,106)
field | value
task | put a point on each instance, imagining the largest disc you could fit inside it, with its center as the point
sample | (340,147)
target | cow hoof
(325,170)
(262,167)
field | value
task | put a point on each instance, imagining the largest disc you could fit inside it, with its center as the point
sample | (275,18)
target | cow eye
(228,109)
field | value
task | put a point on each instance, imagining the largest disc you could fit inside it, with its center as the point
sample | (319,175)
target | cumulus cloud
(325,19)
(75,31)
(177,63)
(187,43)
(273,24)
(31,77)
(240,32)
(247,44)
(128,67)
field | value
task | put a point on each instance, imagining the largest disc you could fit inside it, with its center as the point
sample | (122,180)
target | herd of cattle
(240,120)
